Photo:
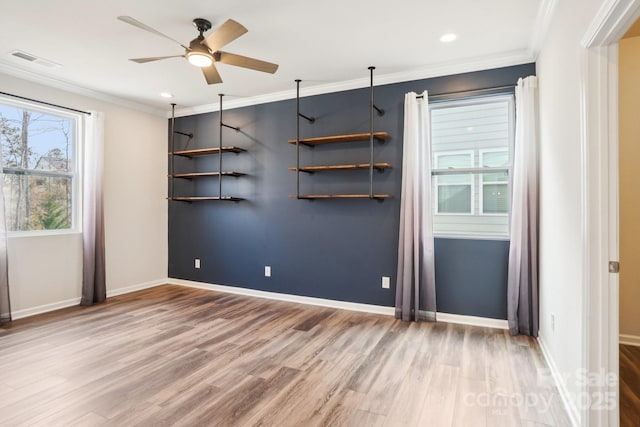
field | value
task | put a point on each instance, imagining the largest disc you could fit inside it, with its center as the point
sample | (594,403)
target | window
(471,144)
(454,193)
(39,152)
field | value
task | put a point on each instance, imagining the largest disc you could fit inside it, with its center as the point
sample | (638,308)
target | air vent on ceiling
(34,59)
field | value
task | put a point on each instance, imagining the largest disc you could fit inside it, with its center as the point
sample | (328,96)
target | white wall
(629,155)
(562,284)
(45,272)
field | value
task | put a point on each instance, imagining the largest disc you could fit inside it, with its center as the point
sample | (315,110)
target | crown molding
(611,22)
(435,70)
(30,75)
(541,26)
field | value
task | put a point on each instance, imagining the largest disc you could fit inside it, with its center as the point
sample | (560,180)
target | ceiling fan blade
(131,21)
(211,74)
(246,62)
(224,34)
(154,58)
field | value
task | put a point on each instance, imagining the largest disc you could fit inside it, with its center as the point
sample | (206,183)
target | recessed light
(448,38)
(166,95)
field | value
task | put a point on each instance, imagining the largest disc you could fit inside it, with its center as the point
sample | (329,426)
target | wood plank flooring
(187,357)
(629,386)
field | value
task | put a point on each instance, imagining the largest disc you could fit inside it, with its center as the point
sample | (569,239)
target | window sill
(471,237)
(42,233)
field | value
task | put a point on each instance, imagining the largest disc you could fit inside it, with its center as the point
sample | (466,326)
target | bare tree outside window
(37,160)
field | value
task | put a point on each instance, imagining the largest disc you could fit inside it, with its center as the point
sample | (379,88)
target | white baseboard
(472,320)
(321,302)
(353,306)
(366,308)
(134,288)
(630,340)
(569,405)
(27,312)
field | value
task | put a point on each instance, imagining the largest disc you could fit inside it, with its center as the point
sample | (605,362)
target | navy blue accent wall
(471,277)
(334,249)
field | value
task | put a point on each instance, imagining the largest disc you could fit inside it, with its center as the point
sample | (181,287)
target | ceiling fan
(204,52)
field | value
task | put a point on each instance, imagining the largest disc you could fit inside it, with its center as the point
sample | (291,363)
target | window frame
(437,185)
(75,161)
(482,183)
(477,171)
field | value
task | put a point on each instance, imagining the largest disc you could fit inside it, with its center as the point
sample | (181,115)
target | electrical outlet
(267,271)
(553,321)
(196,263)
(385,282)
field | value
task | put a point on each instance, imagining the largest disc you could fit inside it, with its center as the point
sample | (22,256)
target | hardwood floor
(179,356)
(629,386)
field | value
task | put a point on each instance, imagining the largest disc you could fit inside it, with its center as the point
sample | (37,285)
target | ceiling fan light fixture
(200,59)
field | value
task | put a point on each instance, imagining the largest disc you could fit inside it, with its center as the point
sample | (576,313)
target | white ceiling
(321,42)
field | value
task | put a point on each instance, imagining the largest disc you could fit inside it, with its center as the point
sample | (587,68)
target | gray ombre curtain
(5,301)
(93,267)
(522,282)
(415,287)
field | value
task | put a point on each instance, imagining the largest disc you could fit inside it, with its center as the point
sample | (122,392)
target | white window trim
(76,161)
(482,183)
(437,185)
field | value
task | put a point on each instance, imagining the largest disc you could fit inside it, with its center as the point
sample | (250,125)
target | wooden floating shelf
(204,174)
(340,196)
(311,169)
(336,139)
(206,199)
(208,151)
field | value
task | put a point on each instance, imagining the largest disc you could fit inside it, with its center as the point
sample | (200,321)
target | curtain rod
(472,91)
(45,103)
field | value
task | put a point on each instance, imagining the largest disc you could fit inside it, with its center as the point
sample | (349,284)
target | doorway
(629,212)
(601,202)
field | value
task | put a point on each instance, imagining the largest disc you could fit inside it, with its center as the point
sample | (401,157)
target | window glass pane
(470,127)
(37,155)
(454,199)
(445,161)
(37,202)
(495,177)
(495,198)
(472,133)
(35,140)
(495,159)
(464,178)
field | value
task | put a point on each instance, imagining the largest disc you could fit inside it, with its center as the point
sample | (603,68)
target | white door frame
(599,142)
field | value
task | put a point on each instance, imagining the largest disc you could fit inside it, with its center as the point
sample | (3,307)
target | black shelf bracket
(173,148)
(380,111)
(190,135)
(222,125)
(307,118)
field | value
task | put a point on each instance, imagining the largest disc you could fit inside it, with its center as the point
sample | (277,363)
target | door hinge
(614,267)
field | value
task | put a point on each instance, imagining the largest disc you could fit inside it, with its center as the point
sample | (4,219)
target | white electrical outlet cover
(385,282)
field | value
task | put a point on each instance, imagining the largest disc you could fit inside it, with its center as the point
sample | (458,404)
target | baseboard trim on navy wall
(472,320)
(353,306)
(630,340)
(568,404)
(366,308)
